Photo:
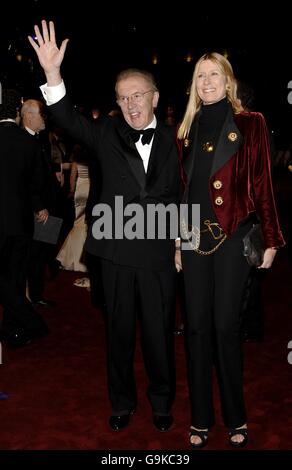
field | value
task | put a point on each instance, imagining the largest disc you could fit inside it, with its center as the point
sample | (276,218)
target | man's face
(36,119)
(137,101)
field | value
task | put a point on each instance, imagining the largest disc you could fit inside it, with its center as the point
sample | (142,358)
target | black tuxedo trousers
(145,295)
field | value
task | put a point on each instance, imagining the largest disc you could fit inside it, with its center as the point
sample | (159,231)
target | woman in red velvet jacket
(226,161)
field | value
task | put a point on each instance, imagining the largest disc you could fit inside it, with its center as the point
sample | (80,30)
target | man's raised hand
(49,55)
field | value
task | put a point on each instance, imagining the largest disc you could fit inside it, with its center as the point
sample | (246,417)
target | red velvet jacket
(240,180)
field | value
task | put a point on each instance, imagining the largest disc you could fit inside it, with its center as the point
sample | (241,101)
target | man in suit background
(41,253)
(142,171)
(20,190)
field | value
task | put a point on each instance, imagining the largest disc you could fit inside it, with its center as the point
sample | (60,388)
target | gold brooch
(187,142)
(208,147)
(232,136)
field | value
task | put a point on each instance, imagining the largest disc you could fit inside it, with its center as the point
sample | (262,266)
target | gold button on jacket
(219,201)
(217,184)
(232,136)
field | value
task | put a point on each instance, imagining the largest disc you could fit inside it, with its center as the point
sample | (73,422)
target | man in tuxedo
(138,274)
(41,253)
(20,189)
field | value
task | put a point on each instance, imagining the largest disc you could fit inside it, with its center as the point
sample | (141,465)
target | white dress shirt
(145,150)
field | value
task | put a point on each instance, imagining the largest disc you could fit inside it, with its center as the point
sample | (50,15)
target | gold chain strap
(196,232)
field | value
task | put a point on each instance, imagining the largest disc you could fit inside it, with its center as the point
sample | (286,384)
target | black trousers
(214,286)
(18,312)
(40,254)
(132,293)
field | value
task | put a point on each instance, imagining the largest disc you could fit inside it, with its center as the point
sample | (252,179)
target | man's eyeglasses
(134,98)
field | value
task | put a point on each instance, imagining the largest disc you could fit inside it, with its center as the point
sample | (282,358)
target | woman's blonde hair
(195,102)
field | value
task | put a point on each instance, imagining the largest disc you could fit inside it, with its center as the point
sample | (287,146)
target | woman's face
(210,82)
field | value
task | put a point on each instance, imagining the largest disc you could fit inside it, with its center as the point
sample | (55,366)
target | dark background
(105,38)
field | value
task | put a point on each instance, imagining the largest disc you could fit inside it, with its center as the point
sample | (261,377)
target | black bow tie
(147,135)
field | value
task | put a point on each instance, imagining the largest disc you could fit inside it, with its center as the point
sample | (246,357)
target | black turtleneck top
(211,120)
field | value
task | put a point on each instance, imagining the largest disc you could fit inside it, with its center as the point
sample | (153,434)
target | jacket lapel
(130,153)
(229,141)
(161,146)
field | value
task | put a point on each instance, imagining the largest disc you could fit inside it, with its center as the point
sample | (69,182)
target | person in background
(21,180)
(61,151)
(226,161)
(71,252)
(41,254)
(93,262)
(252,318)
(170,116)
(170,120)
(139,162)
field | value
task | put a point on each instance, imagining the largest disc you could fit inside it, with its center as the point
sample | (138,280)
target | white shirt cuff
(53,94)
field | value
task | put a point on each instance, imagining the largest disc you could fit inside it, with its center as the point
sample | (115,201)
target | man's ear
(155,99)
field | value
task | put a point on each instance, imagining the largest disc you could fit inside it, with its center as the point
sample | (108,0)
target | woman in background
(71,252)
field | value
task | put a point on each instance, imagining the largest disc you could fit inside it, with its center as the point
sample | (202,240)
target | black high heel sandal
(203,435)
(242,432)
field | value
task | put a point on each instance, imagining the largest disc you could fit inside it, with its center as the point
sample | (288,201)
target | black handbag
(253,246)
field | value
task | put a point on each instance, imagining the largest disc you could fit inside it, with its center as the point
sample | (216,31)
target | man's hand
(50,57)
(42,216)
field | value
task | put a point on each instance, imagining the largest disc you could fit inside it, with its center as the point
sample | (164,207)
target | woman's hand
(269,256)
(50,57)
(177,257)
(60,177)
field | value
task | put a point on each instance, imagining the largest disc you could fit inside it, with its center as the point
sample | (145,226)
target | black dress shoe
(162,423)
(117,423)
(21,337)
(44,303)
(18,339)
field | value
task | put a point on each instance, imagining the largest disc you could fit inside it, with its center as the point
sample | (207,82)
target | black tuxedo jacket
(111,143)
(20,181)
